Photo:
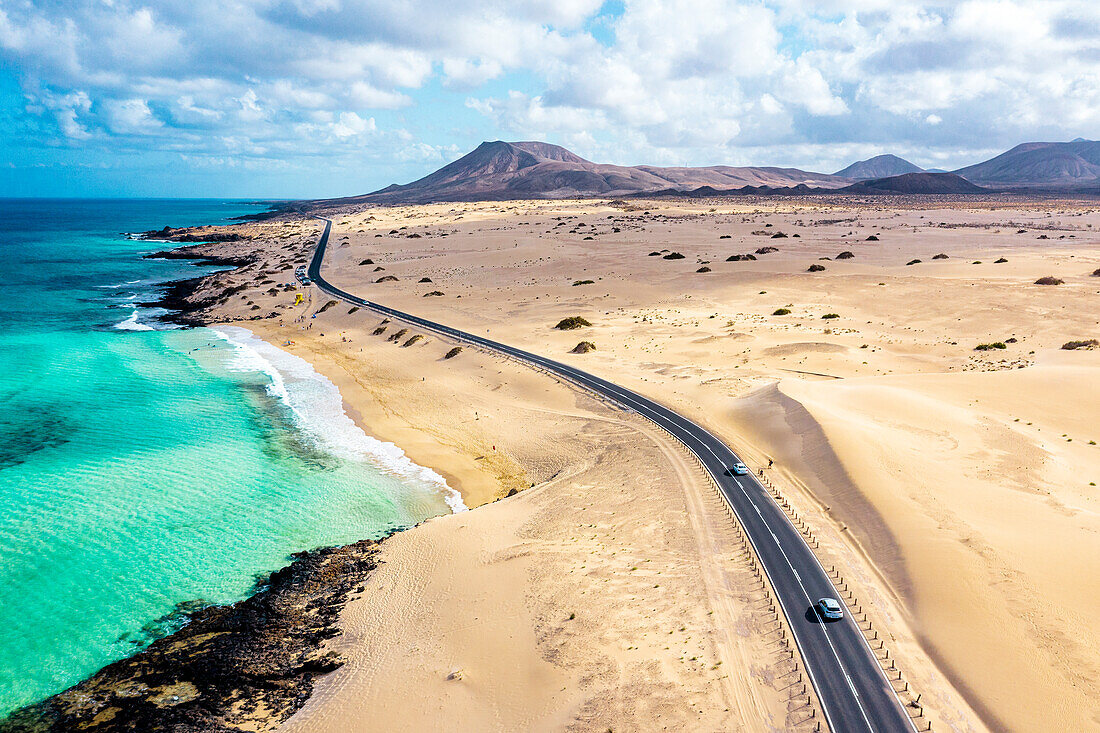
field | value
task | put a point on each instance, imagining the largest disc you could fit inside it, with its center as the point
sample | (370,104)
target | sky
(317,98)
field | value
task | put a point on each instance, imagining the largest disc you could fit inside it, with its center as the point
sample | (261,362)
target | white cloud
(690,81)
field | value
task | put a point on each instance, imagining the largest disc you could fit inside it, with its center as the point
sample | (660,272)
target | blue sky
(311,98)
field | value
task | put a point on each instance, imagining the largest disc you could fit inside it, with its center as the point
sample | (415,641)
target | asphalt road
(853,690)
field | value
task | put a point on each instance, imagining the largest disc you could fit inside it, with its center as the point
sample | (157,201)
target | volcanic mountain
(916,183)
(502,170)
(880,166)
(1074,164)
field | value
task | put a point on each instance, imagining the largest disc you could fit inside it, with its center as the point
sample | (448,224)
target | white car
(829,609)
(739,469)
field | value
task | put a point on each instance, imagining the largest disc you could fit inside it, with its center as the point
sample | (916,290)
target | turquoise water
(140,469)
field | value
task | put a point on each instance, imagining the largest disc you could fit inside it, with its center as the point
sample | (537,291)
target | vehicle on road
(739,469)
(829,609)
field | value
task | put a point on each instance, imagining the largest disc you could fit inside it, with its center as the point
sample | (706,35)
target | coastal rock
(248,666)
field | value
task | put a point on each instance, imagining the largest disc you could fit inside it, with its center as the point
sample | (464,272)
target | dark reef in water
(247,666)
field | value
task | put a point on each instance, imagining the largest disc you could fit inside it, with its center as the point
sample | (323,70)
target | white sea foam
(133,324)
(318,410)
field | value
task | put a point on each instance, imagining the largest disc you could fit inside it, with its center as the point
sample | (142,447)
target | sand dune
(971,534)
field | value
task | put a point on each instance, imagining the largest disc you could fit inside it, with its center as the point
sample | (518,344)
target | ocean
(146,469)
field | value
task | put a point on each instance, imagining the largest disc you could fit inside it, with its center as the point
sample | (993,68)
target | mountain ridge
(880,166)
(499,170)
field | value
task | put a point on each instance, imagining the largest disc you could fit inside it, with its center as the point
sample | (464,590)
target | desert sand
(955,487)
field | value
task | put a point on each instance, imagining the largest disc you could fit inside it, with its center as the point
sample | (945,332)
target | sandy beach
(939,476)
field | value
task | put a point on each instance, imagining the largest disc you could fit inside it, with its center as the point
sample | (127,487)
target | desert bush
(781,312)
(654,254)
(583,348)
(766,250)
(386,279)
(913,262)
(846,255)
(1089,344)
(453,353)
(990,347)
(367,261)
(413,340)
(583,282)
(572,323)
(397,335)
(830,315)
(352,309)
(326,306)
(703,269)
(871,238)
(379,331)
(1096,272)
(433,293)
(779,235)
(940,256)
(424,280)
(815,268)
(674,256)
(1000,261)
(1049,280)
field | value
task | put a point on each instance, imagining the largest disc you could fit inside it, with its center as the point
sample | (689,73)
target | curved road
(852,688)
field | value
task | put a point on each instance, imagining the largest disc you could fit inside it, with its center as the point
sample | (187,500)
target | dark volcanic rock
(230,668)
(189,235)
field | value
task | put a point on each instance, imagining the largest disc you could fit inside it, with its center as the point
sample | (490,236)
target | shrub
(767,250)
(940,256)
(846,255)
(990,347)
(872,238)
(326,306)
(725,236)
(353,309)
(779,235)
(781,312)
(913,262)
(1000,261)
(453,353)
(572,323)
(830,315)
(654,254)
(583,348)
(367,261)
(1071,345)
(413,340)
(433,293)
(815,268)
(424,280)
(379,331)
(1096,272)
(386,279)
(397,335)
(703,269)
(583,282)
(1049,280)
(674,256)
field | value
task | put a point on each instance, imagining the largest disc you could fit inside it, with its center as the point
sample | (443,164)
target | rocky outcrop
(248,666)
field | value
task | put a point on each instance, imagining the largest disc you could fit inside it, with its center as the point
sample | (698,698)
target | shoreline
(278,632)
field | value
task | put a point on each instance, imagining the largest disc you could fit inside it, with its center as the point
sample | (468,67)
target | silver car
(740,469)
(829,609)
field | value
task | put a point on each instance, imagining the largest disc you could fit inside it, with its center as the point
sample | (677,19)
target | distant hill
(916,183)
(1074,164)
(923,183)
(880,166)
(503,170)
